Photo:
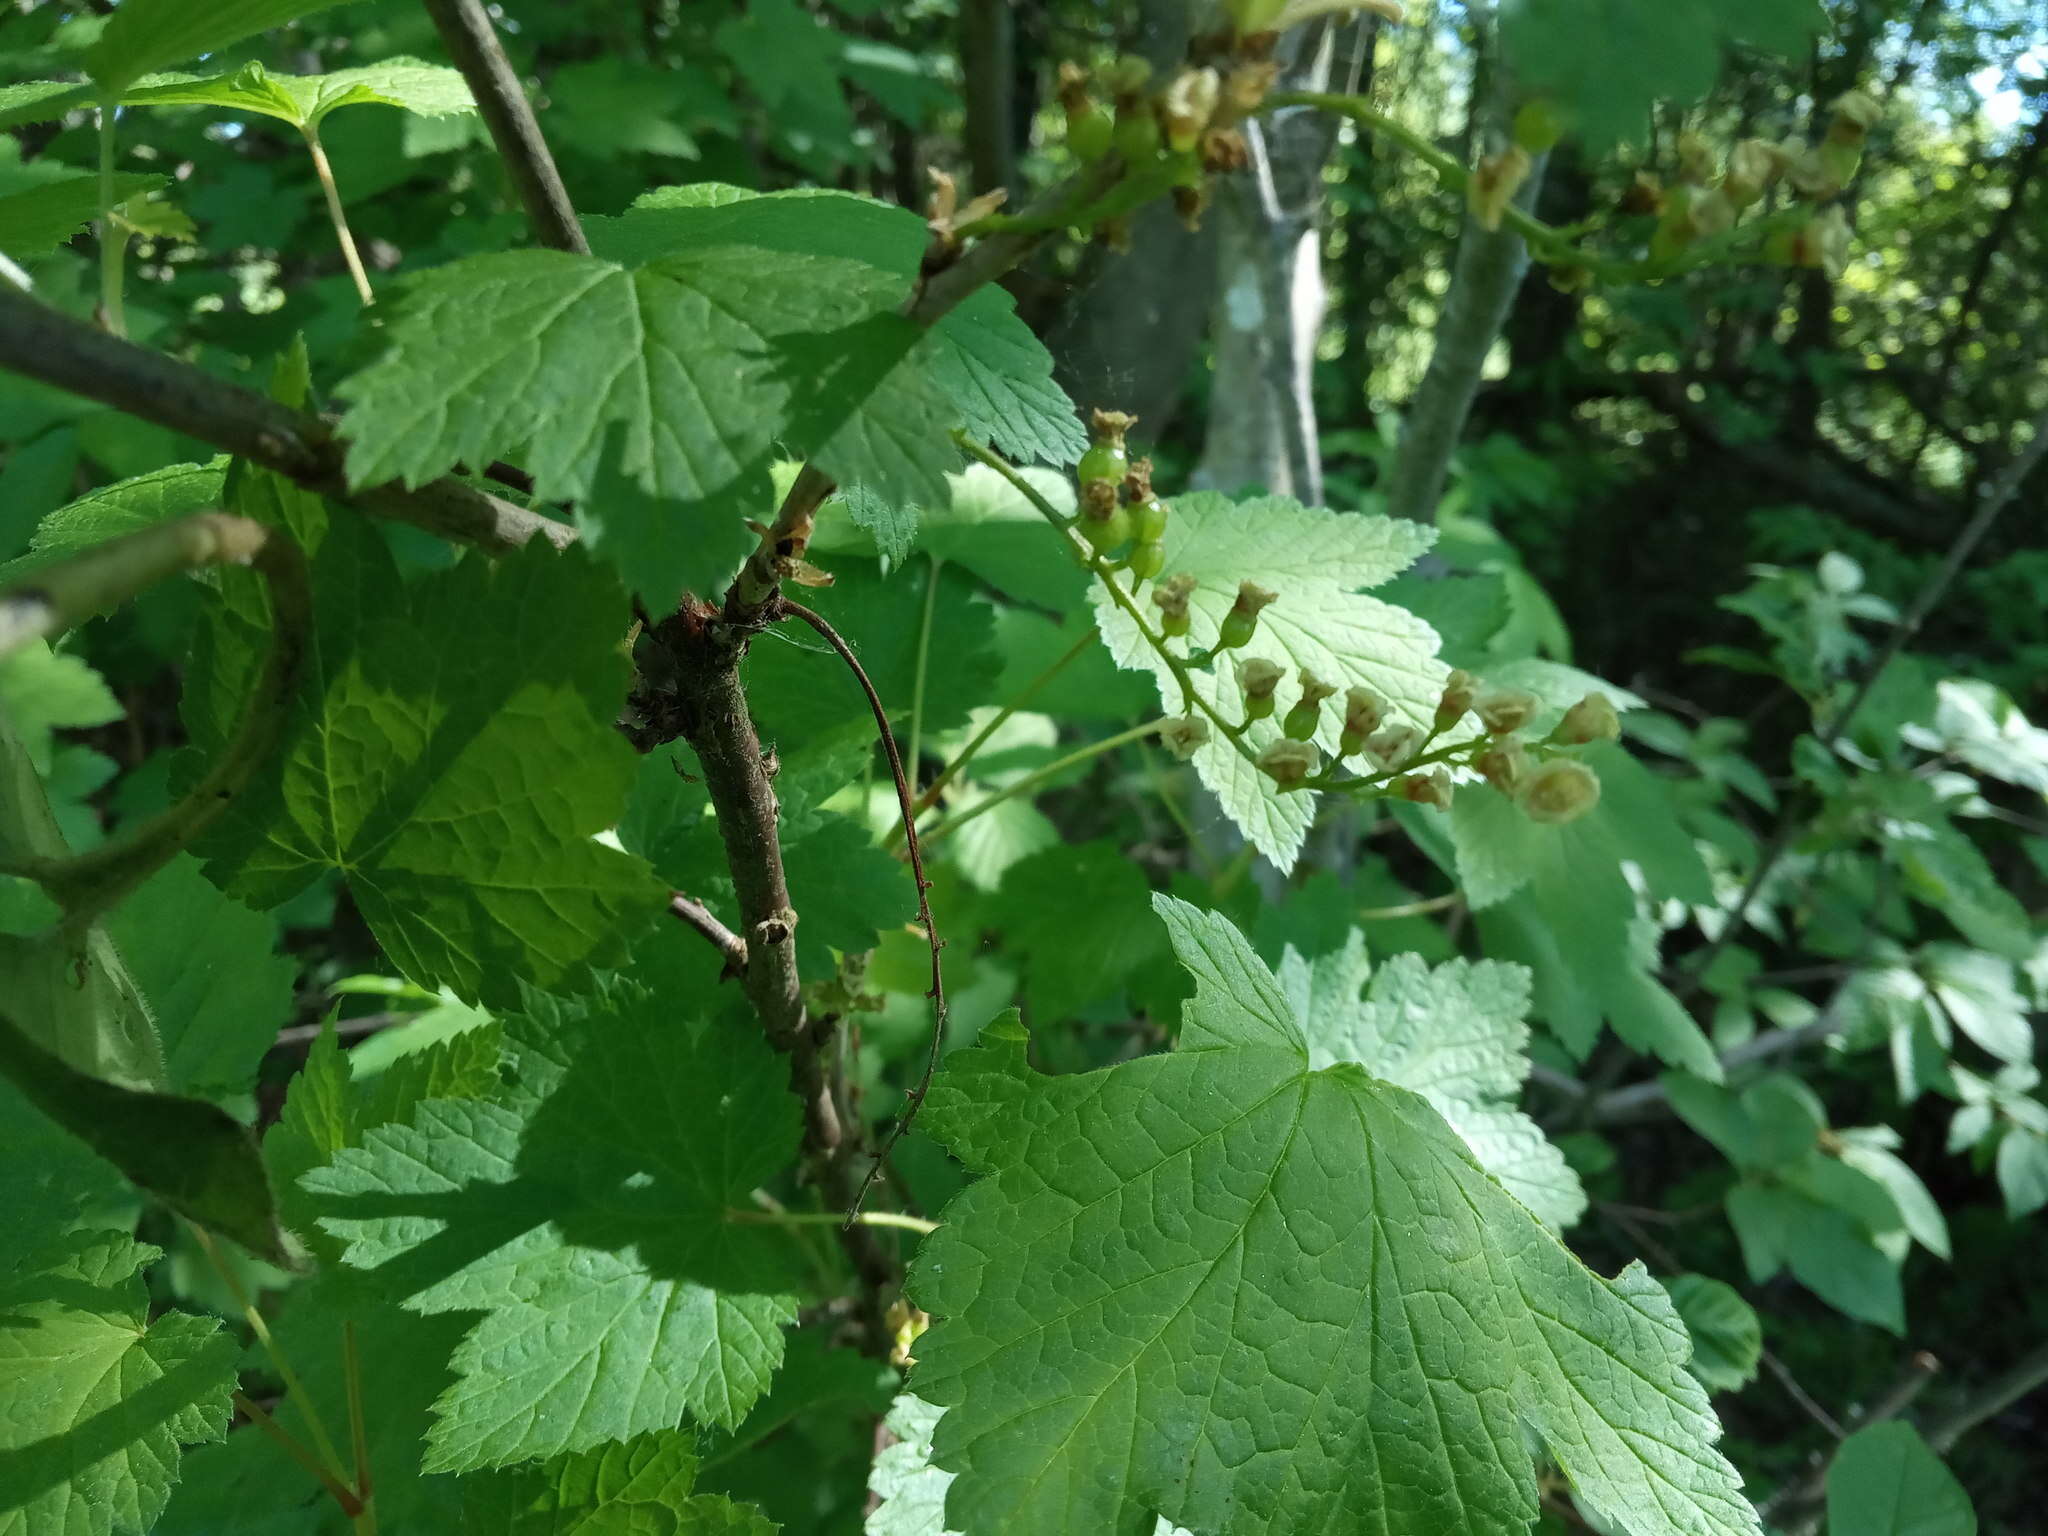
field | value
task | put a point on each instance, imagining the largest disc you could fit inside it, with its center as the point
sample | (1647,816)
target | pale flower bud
(1494,184)
(1186,105)
(1558,791)
(1855,115)
(1460,688)
(1392,747)
(1287,762)
(1752,166)
(1363,711)
(1171,598)
(1258,677)
(1185,736)
(1433,788)
(1505,709)
(1591,719)
(1302,718)
(1243,618)
(1503,764)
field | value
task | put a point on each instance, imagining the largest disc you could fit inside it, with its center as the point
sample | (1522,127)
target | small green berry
(1148,559)
(1107,533)
(1104,462)
(1148,520)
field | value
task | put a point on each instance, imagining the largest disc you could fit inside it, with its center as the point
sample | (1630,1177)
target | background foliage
(1766,1020)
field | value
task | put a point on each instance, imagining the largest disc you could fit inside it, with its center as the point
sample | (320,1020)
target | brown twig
(2028,1374)
(723,939)
(1810,1490)
(703,702)
(42,343)
(472,43)
(914,1101)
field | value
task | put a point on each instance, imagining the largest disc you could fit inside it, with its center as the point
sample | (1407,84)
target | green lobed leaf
(245,1487)
(712,338)
(97,1396)
(42,218)
(1576,903)
(591,1195)
(1886,1481)
(1079,918)
(1727,1338)
(1454,1034)
(988,363)
(146,35)
(1223,1287)
(113,510)
(37,101)
(210,970)
(1318,561)
(910,1491)
(328,1109)
(430,90)
(459,786)
(636,1487)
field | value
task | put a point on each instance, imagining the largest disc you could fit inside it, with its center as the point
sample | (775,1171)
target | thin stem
(924,648)
(337,214)
(2028,1374)
(358,1431)
(113,235)
(472,43)
(1099,568)
(901,1219)
(1547,243)
(294,1388)
(915,1099)
(1421,908)
(1029,692)
(1031,781)
(59,596)
(698,916)
(1162,791)
(342,1494)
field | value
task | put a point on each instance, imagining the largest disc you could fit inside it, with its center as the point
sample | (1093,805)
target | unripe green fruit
(1137,133)
(1090,132)
(1174,623)
(1148,520)
(1105,461)
(1300,724)
(1148,559)
(1106,533)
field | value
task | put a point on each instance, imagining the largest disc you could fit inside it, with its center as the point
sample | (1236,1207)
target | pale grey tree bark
(1485,278)
(1270,296)
(1128,340)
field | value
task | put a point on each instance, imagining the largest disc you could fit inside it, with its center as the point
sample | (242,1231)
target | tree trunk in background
(988,65)
(1484,279)
(1270,298)
(1128,338)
